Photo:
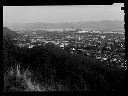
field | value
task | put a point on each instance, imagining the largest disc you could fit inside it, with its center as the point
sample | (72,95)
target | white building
(83,31)
(62,45)
(31,46)
(103,59)
(102,37)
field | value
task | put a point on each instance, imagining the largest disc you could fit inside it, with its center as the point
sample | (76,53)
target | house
(31,46)
(99,57)
(83,31)
(62,45)
(103,59)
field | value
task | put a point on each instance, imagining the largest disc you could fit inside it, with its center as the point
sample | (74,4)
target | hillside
(7,31)
(93,25)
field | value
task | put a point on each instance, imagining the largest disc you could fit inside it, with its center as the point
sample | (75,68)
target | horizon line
(62,22)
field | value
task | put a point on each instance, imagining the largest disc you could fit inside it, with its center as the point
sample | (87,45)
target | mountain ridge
(94,25)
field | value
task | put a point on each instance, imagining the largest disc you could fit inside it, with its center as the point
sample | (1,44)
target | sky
(67,13)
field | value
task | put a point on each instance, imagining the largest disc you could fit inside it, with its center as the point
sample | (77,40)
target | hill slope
(8,32)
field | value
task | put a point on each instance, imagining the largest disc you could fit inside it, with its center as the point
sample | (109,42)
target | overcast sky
(32,14)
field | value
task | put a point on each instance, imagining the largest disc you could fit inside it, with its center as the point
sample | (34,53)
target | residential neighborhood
(103,46)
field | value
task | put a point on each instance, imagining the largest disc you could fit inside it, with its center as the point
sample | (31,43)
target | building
(82,31)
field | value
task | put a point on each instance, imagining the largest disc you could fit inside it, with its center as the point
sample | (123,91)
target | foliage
(78,72)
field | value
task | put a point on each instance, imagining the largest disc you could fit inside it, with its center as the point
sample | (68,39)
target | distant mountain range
(93,25)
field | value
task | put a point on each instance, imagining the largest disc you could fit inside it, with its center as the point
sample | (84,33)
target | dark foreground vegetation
(50,68)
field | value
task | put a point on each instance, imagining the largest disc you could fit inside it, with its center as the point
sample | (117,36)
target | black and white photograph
(64,48)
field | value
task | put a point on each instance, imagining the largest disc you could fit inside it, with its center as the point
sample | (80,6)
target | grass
(21,80)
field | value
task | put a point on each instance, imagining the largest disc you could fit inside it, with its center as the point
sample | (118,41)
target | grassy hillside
(54,69)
